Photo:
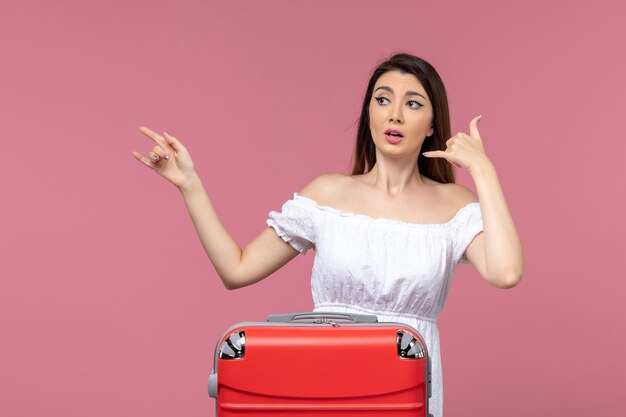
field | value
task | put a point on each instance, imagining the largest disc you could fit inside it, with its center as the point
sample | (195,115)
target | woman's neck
(392,176)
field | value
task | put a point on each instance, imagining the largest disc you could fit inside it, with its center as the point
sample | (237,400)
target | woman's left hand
(463,150)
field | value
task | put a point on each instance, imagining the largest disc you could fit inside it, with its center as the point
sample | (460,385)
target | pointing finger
(474,127)
(173,142)
(154,136)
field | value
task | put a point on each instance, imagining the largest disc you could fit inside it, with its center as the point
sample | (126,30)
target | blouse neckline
(382,220)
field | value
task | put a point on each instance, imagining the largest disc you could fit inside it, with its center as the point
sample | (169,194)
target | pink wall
(108,305)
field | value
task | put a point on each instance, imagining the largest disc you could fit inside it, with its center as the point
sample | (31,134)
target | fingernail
(479,116)
(167,134)
(153,157)
(166,157)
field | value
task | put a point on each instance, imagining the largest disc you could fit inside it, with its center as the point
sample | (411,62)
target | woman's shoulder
(323,187)
(332,189)
(455,195)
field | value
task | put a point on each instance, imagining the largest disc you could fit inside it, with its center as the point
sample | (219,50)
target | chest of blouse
(379,264)
(382,256)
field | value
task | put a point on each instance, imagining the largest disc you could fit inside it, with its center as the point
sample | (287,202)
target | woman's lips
(393,139)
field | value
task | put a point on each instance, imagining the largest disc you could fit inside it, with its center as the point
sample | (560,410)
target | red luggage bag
(321,365)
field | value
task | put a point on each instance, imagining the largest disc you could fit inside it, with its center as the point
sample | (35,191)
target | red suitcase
(320,364)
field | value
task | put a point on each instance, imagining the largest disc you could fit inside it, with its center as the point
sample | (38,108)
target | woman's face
(399,103)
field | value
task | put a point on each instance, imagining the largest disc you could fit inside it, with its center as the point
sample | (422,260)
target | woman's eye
(416,104)
(378,99)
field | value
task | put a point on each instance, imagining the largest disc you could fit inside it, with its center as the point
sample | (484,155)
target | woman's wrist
(192,183)
(483,168)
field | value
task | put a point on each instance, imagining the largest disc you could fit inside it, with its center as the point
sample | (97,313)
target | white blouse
(398,271)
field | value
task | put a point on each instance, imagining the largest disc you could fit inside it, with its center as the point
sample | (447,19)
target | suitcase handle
(322,317)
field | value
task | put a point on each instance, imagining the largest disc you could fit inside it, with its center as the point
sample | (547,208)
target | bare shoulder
(323,188)
(455,196)
(459,195)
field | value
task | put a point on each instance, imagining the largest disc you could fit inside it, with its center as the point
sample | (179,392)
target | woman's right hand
(169,158)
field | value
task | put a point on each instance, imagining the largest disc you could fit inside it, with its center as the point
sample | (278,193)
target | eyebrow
(408,93)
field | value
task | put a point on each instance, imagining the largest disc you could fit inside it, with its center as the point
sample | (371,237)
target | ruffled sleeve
(294,224)
(469,223)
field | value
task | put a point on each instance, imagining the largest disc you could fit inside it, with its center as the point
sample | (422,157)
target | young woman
(388,237)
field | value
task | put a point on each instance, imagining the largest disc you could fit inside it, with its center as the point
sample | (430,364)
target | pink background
(108,305)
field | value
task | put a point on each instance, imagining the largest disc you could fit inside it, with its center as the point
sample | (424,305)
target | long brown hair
(437,169)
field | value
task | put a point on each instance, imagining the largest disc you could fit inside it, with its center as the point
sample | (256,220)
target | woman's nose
(395,114)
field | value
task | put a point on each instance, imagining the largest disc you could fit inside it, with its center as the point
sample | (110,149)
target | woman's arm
(497,252)
(237,268)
